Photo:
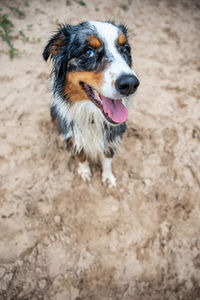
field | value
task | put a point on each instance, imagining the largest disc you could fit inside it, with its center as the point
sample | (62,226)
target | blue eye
(125,50)
(89,53)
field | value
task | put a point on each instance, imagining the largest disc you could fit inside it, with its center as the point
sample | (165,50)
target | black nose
(127,84)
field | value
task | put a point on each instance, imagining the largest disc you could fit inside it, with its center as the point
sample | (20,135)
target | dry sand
(63,239)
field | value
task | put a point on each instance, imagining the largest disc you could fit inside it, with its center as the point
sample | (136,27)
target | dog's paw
(84,171)
(108,179)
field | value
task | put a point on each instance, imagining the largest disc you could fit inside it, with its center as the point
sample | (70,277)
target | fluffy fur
(92,82)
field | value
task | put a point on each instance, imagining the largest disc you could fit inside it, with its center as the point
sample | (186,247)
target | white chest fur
(88,131)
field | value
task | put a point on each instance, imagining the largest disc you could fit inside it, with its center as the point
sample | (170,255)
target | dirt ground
(63,239)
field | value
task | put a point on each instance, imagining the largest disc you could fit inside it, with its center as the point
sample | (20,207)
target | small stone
(3,285)
(38,270)
(46,241)
(32,259)
(5,281)
(57,219)
(8,277)
(147,182)
(2,272)
(42,283)
(52,238)
(20,262)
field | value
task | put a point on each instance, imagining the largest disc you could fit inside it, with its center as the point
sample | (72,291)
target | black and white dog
(92,82)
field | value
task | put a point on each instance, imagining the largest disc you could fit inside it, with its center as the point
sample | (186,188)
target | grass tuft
(81,2)
(68,2)
(5,33)
(17,12)
(25,38)
(124,7)
(29,26)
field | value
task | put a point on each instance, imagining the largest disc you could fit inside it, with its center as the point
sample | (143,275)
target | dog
(92,84)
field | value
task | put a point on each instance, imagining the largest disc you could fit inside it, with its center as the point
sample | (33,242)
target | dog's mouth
(113,109)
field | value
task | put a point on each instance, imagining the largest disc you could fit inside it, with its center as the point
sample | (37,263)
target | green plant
(5,33)
(25,38)
(17,12)
(29,26)
(26,3)
(36,40)
(81,2)
(68,2)
(124,7)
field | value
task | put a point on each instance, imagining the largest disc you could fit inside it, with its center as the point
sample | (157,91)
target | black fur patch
(112,132)
(64,125)
(109,153)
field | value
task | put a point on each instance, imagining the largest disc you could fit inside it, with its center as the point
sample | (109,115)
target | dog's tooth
(99,96)
(96,94)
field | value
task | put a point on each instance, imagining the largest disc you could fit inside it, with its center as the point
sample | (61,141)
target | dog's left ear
(53,47)
(56,43)
(123,27)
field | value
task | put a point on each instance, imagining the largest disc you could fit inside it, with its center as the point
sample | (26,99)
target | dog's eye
(89,53)
(126,50)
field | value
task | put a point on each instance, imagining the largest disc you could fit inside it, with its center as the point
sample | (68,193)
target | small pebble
(57,219)
(3,285)
(8,277)
(42,283)
(38,270)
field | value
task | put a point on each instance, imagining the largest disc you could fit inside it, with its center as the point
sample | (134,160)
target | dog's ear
(56,43)
(123,27)
(53,47)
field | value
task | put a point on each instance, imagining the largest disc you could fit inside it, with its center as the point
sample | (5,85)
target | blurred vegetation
(18,13)
(6,28)
(80,2)
(125,6)
(68,2)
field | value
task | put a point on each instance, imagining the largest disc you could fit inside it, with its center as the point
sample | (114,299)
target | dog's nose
(127,84)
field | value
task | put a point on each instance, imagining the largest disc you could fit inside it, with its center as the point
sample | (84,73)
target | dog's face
(92,61)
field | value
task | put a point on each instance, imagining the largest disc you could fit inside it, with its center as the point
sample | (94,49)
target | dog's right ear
(53,47)
(56,43)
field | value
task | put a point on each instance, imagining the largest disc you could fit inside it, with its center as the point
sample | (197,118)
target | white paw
(109,179)
(84,171)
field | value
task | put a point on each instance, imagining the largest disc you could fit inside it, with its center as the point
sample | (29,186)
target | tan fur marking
(56,47)
(69,143)
(73,88)
(81,156)
(121,39)
(55,121)
(94,42)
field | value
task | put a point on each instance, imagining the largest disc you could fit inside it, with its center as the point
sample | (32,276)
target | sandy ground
(63,239)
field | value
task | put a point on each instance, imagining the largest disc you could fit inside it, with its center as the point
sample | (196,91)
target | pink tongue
(116,110)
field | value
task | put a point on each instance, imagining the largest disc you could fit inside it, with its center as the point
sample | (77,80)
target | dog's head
(92,61)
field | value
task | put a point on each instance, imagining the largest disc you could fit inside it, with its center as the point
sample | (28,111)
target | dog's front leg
(83,167)
(107,175)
